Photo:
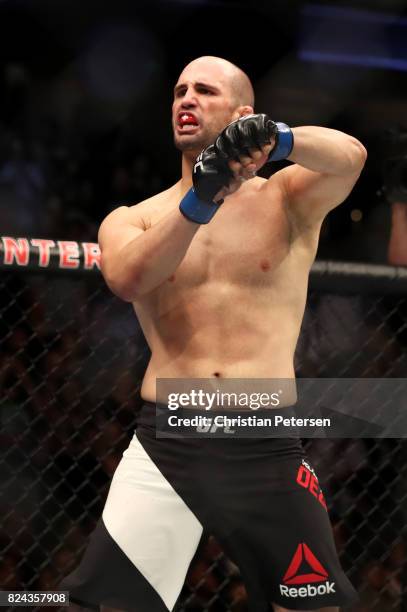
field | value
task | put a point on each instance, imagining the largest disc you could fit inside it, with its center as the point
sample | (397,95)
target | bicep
(118,229)
(311,195)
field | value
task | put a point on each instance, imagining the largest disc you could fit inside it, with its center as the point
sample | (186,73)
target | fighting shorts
(259,497)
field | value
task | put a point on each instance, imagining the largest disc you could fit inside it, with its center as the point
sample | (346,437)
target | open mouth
(187,121)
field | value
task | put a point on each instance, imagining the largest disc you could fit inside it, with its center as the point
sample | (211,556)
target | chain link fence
(72,361)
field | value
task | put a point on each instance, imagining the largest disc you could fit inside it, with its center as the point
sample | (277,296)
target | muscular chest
(245,243)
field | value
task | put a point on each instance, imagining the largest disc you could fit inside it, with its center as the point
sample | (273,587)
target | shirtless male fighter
(218,278)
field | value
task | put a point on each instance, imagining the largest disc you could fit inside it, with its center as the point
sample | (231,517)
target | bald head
(238,81)
(210,93)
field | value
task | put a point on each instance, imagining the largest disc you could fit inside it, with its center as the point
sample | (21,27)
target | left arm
(327,164)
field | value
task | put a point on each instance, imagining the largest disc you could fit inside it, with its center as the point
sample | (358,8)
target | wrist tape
(284,143)
(195,209)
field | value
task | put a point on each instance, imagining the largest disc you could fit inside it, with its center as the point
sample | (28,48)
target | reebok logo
(308,591)
(302,553)
(305,557)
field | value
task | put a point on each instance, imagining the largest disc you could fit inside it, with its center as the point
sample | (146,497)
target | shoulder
(152,202)
(141,213)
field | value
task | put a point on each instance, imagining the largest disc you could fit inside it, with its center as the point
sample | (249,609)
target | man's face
(203,105)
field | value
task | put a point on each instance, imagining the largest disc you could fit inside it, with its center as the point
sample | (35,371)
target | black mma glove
(210,174)
(253,132)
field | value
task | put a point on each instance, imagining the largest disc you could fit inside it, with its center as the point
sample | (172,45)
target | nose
(189,98)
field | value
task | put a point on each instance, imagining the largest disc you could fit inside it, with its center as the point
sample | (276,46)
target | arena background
(85,96)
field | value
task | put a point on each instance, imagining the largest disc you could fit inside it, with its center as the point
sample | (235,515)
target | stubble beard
(193,145)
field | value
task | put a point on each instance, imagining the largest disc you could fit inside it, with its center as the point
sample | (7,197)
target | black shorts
(259,497)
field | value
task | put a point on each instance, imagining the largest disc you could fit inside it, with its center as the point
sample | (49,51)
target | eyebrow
(197,84)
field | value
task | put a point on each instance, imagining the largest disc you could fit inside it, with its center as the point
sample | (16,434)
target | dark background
(85,103)
(86,88)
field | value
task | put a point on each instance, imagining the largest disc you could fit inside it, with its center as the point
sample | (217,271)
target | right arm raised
(136,260)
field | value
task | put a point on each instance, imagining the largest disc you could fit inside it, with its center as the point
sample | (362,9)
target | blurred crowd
(73,358)
(69,399)
(56,181)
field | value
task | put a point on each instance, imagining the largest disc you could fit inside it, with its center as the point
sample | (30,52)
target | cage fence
(73,357)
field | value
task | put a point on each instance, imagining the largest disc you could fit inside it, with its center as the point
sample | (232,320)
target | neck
(188,160)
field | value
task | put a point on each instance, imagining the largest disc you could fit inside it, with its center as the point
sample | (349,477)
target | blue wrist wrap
(195,209)
(285,143)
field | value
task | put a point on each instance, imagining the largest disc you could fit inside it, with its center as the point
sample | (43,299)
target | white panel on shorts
(151,523)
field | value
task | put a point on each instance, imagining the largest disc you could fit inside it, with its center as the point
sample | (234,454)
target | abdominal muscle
(233,308)
(221,332)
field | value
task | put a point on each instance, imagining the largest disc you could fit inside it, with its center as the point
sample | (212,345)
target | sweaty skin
(226,300)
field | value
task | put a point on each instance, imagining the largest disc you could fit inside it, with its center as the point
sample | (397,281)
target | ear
(241,111)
